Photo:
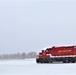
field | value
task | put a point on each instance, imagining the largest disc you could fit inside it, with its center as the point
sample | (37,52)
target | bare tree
(19,55)
(23,55)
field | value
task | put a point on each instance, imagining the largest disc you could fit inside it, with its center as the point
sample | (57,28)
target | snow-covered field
(30,67)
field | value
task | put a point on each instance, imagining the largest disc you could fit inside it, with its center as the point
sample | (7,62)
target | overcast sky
(32,25)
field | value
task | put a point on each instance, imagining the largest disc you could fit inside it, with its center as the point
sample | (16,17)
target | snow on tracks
(30,67)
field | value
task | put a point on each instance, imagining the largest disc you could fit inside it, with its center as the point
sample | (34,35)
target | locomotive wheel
(73,61)
(66,61)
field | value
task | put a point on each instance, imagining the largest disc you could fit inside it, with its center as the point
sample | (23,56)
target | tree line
(19,55)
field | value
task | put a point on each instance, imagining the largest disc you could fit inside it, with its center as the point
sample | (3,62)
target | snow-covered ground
(30,67)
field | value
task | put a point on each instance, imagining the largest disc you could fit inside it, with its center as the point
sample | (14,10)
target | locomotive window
(46,50)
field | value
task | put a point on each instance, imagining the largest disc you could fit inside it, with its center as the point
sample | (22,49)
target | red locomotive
(65,54)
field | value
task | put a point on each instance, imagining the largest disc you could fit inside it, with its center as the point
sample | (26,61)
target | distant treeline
(19,55)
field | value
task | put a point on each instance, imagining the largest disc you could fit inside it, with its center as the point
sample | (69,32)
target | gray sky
(32,25)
